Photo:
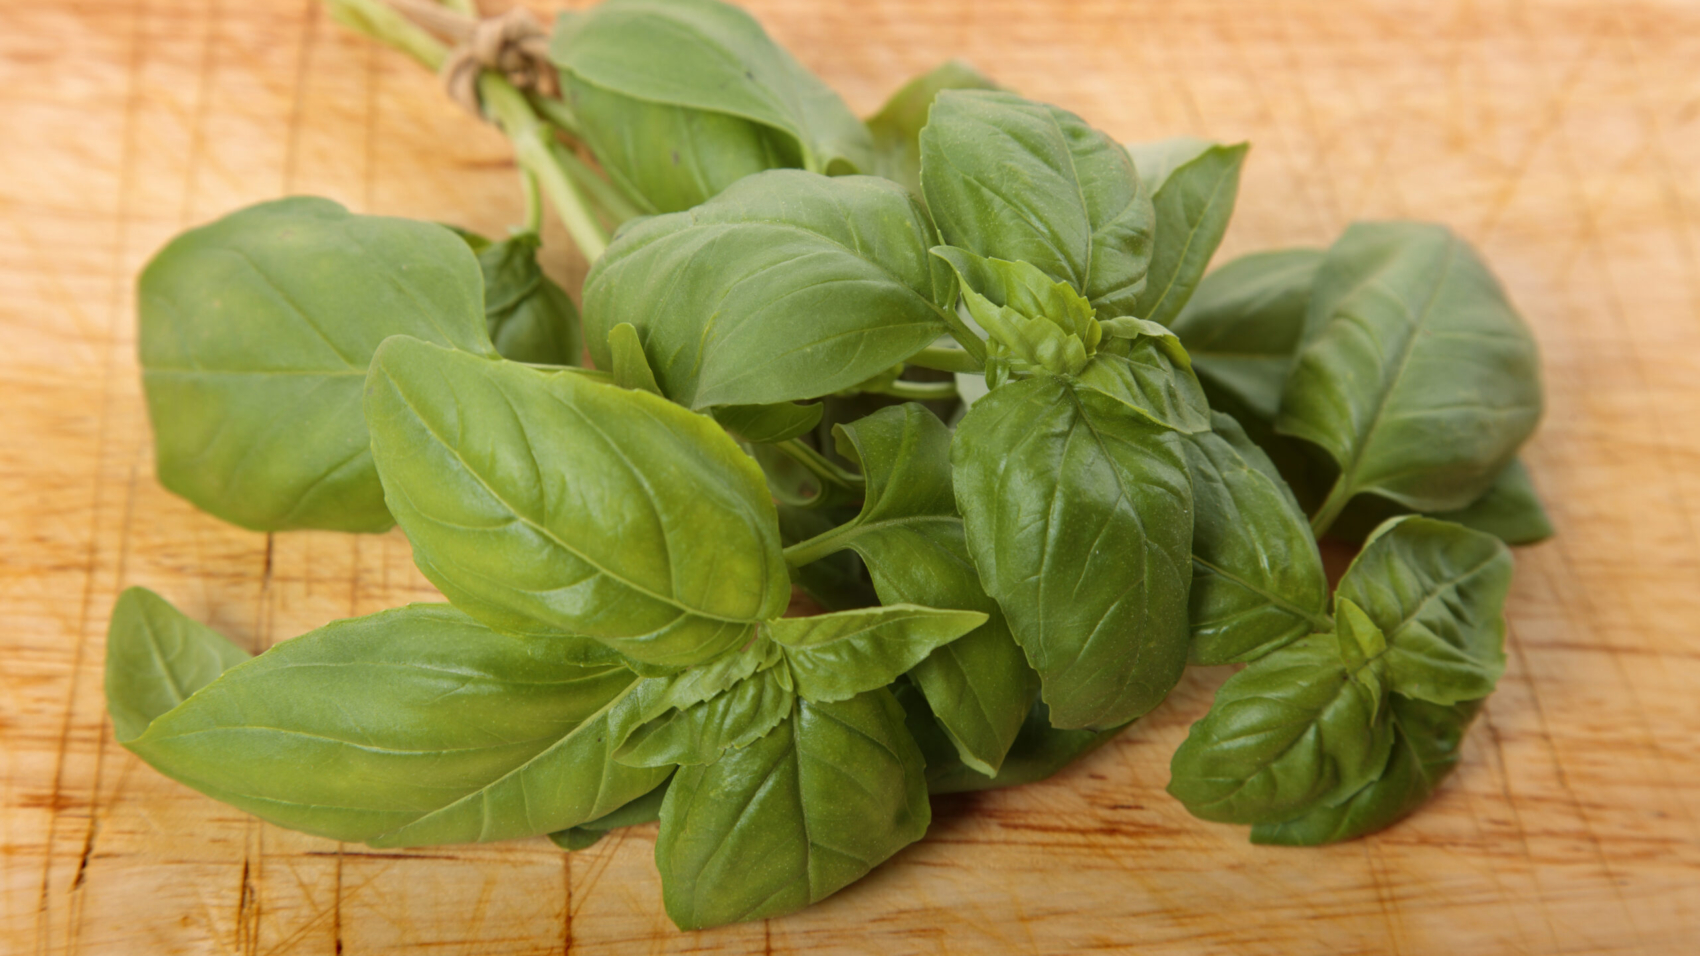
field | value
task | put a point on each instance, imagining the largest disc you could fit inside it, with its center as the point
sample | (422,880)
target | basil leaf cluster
(957,374)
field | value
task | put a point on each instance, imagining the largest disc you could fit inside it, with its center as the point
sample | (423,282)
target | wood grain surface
(1560,137)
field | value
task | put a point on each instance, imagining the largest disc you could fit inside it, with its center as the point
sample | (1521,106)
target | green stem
(944,359)
(533,202)
(602,192)
(916,391)
(384,24)
(1331,507)
(508,107)
(963,335)
(820,546)
(557,112)
(819,466)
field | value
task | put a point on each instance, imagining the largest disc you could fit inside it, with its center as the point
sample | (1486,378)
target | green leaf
(628,364)
(1044,324)
(412,726)
(1510,510)
(545,502)
(769,424)
(1037,752)
(679,98)
(1193,184)
(1008,178)
(794,817)
(529,317)
(155,658)
(1426,738)
(1079,518)
(1243,325)
(698,733)
(644,809)
(1293,731)
(1417,378)
(839,655)
(255,333)
(1143,366)
(786,286)
(896,128)
(1438,592)
(1257,577)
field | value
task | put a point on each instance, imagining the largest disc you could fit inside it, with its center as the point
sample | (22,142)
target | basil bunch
(945,372)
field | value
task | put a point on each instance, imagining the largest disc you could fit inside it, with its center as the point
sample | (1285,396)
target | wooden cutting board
(1560,137)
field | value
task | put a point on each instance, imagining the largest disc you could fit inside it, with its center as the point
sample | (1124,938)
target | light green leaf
(794,817)
(698,733)
(769,424)
(896,128)
(1243,326)
(255,332)
(155,658)
(839,655)
(1257,577)
(1426,739)
(1438,592)
(411,726)
(1041,323)
(786,286)
(1193,185)
(680,98)
(1079,518)
(1293,731)
(645,809)
(544,502)
(628,364)
(1008,178)
(1142,365)
(1417,377)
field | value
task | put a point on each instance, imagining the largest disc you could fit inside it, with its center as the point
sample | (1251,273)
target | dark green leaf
(786,286)
(1293,731)
(155,658)
(408,727)
(644,809)
(1418,378)
(1193,184)
(1426,738)
(681,97)
(545,502)
(1257,577)
(1510,510)
(769,423)
(793,817)
(1437,590)
(529,317)
(837,582)
(1142,365)
(1008,178)
(896,128)
(1079,517)
(1038,751)
(255,333)
(1244,324)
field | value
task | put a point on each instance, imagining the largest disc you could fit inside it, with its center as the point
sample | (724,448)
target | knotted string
(513,44)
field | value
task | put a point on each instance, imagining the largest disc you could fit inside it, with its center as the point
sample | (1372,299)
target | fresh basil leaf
(1438,592)
(1417,377)
(839,655)
(903,452)
(1257,577)
(1426,739)
(1008,178)
(627,364)
(1037,752)
(156,656)
(698,733)
(545,502)
(1079,518)
(1143,366)
(1510,510)
(769,423)
(1294,730)
(529,317)
(644,809)
(825,797)
(896,128)
(1043,324)
(1243,326)
(1193,185)
(255,333)
(625,60)
(412,726)
(786,286)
